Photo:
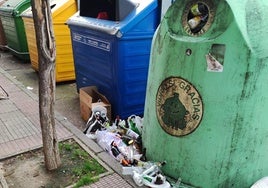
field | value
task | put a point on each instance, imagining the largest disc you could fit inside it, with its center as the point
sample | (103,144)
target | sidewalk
(21,132)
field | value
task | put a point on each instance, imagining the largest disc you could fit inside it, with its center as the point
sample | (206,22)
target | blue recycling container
(111,47)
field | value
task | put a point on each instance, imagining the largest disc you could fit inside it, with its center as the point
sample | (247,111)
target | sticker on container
(91,41)
(212,64)
(179,106)
(215,58)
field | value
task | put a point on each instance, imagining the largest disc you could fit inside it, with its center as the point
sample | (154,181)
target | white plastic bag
(262,183)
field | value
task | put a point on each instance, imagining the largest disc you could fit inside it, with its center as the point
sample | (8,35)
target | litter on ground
(122,140)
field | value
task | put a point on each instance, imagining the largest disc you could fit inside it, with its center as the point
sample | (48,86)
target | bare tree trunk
(46,56)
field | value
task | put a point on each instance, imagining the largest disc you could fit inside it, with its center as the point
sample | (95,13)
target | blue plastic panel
(118,66)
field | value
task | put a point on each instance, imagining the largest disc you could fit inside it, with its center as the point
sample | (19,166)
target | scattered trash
(198,17)
(127,130)
(126,153)
(178,183)
(29,88)
(135,123)
(122,140)
(89,99)
(151,177)
(129,170)
(3,93)
(97,121)
(262,183)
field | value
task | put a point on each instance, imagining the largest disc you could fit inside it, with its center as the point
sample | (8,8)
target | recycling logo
(179,106)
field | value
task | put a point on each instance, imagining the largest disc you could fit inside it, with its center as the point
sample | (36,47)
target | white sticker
(212,64)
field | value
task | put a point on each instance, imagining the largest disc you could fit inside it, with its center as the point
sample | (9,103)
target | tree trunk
(46,57)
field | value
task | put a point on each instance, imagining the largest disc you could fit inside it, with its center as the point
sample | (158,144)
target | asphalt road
(67,98)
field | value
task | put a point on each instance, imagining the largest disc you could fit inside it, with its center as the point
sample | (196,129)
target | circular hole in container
(197,17)
(188,52)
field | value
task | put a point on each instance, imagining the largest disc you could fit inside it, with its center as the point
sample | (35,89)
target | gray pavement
(20,126)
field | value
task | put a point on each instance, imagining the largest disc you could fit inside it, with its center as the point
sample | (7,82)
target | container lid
(15,7)
(118,28)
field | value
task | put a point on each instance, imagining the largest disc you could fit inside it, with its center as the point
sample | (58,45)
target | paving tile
(21,131)
(11,147)
(18,125)
(37,139)
(62,132)
(22,144)
(31,142)
(8,86)
(6,106)
(34,118)
(5,134)
(3,151)
(24,102)
(111,181)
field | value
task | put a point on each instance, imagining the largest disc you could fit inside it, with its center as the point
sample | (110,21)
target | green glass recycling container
(3,40)
(206,102)
(10,14)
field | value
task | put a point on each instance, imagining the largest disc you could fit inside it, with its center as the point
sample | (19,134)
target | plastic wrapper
(114,145)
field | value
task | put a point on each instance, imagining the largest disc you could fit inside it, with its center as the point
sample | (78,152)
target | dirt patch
(28,169)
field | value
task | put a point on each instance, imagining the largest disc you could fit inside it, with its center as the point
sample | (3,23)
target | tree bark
(46,56)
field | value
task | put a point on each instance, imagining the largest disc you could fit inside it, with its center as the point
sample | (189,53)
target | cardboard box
(90,97)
